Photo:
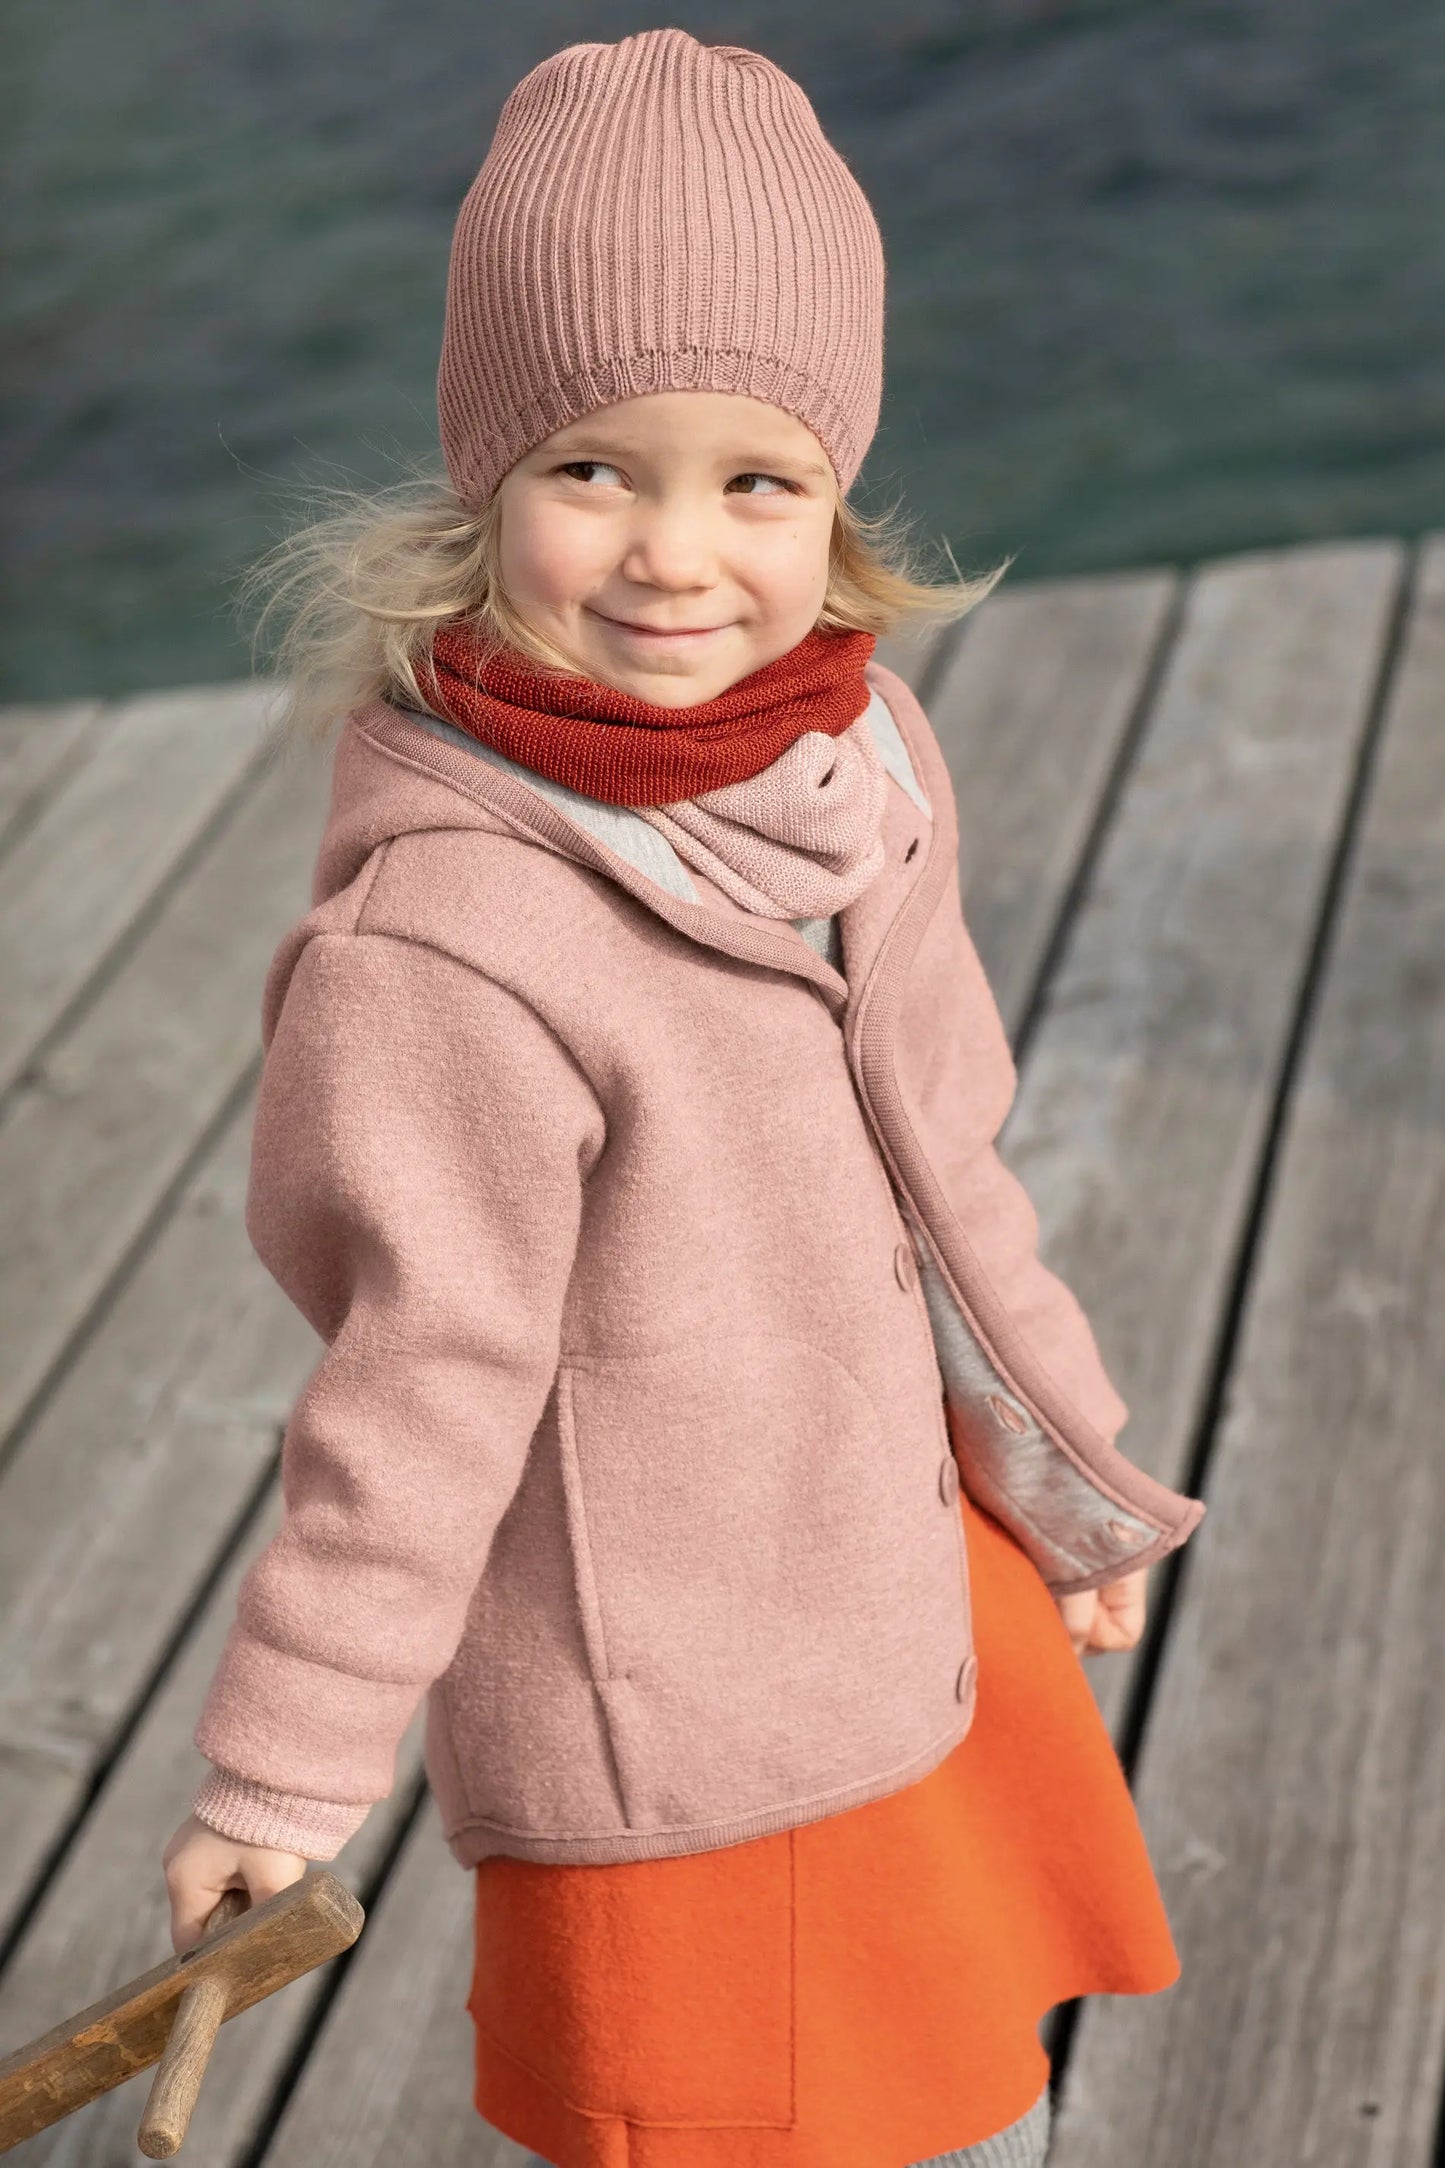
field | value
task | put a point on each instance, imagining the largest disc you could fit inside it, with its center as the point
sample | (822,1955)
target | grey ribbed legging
(1024,2144)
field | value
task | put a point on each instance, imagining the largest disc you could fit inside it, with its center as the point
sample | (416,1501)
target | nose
(669,548)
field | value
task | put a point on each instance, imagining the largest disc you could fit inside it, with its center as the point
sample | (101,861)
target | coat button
(960,1684)
(905,1265)
(948,1480)
(1007,1414)
(1122,1532)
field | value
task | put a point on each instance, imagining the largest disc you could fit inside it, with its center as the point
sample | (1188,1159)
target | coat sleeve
(420,1146)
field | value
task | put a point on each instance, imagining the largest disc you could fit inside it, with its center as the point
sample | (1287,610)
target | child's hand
(1106,1618)
(200,1863)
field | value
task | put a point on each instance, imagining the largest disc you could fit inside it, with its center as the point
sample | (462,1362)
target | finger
(1112,1632)
(193,1900)
(1078,1612)
(1128,1607)
(1128,1594)
(268,1873)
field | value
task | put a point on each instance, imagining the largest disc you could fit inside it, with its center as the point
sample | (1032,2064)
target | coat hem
(475,1838)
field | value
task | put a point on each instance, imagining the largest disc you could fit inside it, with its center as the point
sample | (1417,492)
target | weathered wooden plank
(106,1117)
(1148,1085)
(124,1492)
(1293,1776)
(1031,710)
(105,1918)
(159,770)
(389,2080)
(38,747)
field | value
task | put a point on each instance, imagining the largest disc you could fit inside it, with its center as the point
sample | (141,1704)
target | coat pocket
(660,1991)
(768,1583)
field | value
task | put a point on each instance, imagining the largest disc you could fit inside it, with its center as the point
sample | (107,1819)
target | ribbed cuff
(282,1821)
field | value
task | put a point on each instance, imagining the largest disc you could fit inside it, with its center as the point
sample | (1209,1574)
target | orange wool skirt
(861,1992)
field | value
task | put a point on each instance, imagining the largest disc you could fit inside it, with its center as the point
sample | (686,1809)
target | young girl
(699,1429)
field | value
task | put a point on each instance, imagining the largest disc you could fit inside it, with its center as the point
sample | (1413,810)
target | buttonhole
(1009,1416)
(910,850)
(828,777)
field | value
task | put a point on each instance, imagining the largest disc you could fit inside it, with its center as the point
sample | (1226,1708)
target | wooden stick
(246,1958)
(177,2082)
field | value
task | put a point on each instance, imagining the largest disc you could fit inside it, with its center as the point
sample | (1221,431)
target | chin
(674,689)
(672,680)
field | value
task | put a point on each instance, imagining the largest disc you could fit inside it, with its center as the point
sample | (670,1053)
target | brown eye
(786,487)
(572,466)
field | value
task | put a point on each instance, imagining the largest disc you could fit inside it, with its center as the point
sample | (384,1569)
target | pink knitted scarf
(798,840)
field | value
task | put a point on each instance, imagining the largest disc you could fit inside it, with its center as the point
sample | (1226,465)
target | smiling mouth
(659,632)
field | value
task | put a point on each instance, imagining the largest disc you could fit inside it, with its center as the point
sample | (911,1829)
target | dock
(1202,815)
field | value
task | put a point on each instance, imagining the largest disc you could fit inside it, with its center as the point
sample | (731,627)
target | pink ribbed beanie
(657,215)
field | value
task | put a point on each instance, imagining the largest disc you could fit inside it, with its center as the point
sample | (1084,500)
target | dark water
(1164,279)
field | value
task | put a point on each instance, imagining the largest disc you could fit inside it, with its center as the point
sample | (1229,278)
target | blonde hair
(349,602)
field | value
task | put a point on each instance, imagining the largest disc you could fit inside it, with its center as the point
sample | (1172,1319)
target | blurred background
(1165,280)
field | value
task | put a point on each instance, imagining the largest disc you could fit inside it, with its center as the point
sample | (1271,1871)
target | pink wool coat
(671,1283)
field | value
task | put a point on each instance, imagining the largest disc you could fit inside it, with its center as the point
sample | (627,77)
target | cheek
(792,563)
(545,553)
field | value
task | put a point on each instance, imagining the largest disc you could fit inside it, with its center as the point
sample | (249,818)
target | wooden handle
(258,1949)
(177,2082)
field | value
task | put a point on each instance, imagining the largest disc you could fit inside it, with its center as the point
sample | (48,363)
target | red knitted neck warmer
(613,746)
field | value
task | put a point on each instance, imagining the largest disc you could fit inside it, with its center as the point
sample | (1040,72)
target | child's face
(705,515)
